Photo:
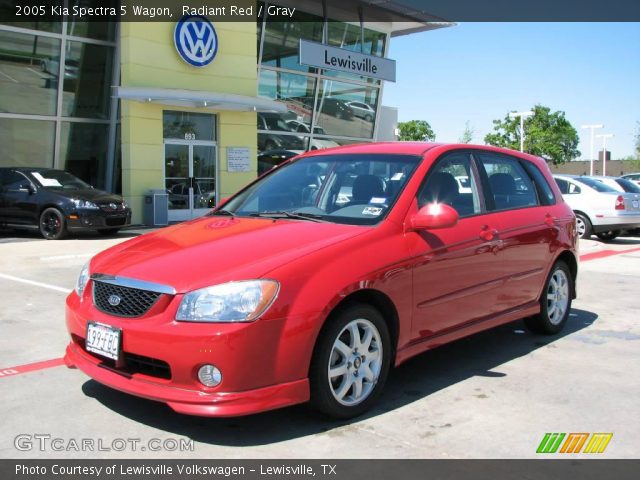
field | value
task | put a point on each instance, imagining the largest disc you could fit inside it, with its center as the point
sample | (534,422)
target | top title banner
(18,11)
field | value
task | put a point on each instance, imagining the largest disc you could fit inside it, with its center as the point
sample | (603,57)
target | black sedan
(56,202)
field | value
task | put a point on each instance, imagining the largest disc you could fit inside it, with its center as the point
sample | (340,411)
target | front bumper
(190,402)
(98,219)
(257,372)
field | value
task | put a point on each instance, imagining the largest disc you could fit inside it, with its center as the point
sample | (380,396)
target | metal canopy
(199,99)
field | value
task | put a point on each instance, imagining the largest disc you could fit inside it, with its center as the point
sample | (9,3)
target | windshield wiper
(223,212)
(311,217)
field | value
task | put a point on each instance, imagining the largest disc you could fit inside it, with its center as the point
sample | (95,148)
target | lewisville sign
(333,58)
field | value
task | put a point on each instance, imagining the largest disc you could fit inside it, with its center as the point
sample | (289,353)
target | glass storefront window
(26,142)
(87,80)
(188,126)
(347,36)
(29,66)
(98,30)
(346,109)
(83,151)
(282,39)
(296,91)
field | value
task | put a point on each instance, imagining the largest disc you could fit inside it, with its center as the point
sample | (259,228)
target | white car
(634,177)
(316,143)
(599,208)
(618,183)
(362,110)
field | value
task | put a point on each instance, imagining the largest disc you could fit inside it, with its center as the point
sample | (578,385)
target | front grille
(133,301)
(115,222)
(146,366)
(109,207)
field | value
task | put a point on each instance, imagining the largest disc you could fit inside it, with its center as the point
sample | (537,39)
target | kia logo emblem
(196,40)
(114,300)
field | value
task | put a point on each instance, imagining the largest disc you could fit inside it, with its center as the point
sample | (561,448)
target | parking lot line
(605,253)
(32,282)
(31,367)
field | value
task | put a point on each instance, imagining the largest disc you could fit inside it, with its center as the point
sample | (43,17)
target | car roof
(31,169)
(415,148)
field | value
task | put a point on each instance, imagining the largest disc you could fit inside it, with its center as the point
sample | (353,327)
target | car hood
(216,249)
(91,194)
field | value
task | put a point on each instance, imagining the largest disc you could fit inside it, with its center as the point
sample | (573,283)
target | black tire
(368,117)
(586,225)
(339,115)
(323,390)
(270,145)
(52,224)
(108,231)
(548,321)
(608,235)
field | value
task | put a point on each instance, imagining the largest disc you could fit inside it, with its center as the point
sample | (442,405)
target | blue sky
(478,72)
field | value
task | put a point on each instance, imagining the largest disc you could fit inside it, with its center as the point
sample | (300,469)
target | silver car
(599,208)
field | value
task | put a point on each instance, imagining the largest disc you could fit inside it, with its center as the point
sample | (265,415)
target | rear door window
(509,185)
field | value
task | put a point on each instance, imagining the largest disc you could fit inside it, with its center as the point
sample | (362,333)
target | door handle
(487,233)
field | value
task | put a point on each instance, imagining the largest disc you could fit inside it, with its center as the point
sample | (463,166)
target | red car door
(525,222)
(456,270)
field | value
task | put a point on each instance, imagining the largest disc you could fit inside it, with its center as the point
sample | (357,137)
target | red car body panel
(442,285)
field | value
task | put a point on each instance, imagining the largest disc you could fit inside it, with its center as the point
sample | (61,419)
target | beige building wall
(149,59)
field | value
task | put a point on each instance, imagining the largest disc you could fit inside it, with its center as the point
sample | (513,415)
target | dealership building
(186,107)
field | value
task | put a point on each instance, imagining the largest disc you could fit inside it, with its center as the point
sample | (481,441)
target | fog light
(209,375)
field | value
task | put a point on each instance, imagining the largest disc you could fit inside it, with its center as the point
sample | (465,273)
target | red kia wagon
(315,279)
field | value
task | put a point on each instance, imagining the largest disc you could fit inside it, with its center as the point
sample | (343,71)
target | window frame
(486,186)
(474,178)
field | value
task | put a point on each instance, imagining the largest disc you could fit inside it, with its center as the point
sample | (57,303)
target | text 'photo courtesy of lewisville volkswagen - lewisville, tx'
(319,238)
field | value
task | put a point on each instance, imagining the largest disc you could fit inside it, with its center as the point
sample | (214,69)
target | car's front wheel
(555,302)
(583,225)
(52,224)
(351,362)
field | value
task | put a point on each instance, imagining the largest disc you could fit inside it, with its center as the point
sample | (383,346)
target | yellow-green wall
(149,59)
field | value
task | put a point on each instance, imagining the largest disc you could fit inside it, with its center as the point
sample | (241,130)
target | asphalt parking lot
(492,395)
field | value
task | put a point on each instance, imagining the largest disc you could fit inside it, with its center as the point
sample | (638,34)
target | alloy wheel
(557,296)
(355,362)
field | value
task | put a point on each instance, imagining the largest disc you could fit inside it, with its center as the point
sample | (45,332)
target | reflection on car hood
(91,194)
(218,249)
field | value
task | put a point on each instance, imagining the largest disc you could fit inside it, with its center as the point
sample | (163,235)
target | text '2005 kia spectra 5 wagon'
(311,282)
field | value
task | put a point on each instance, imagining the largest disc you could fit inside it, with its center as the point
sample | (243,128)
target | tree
(467,135)
(416,130)
(548,135)
(637,140)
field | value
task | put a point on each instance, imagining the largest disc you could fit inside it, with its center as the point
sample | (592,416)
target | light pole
(522,116)
(604,137)
(592,128)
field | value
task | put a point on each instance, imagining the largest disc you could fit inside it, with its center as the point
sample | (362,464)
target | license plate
(103,340)
(635,203)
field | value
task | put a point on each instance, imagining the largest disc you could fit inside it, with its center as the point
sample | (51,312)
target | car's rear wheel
(108,231)
(583,225)
(351,362)
(608,235)
(555,302)
(52,224)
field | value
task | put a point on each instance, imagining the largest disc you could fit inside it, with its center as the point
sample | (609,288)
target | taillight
(619,203)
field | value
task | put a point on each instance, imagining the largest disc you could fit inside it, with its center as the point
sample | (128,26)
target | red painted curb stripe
(31,367)
(605,253)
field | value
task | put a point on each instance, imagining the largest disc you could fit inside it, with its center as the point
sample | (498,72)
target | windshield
(628,185)
(57,179)
(596,185)
(354,189)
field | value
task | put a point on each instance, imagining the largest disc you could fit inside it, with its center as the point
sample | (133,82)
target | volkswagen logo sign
(114,300)
(196,40)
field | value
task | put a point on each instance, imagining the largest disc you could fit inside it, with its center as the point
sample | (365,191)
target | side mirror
(434,215)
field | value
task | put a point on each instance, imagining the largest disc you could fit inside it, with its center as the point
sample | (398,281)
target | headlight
(229,302)
(83,278)
(84,204)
